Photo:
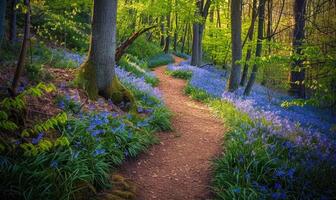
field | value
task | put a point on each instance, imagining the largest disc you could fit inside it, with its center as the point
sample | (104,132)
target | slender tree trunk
(250,38)
(97,74)
(236,26)
(186,29)
(259,47)
(297,76)
(23,51)
(188,39)
(175,32)
(167,41)
(195,43)
(219,23)
(162,40)
(211,14)
(269,24)
(12,22)
(3,6)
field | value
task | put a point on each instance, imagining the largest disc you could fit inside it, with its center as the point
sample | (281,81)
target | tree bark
(97,73)
(186,29)
(297,75)
(236,26)
(3,6)
(176,32)
(162,39)
(198,28)
(23,51)
(261,14)
(167,40)
(250,38)
(12,22)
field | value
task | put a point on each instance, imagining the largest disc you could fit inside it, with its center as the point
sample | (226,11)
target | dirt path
(179,167)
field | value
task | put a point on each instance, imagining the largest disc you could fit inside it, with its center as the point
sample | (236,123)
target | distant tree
(167,39)
(3,6)
(198,29)
(250,38)
(236,26)
(162,38)
(297,75)
(97,74)
(261,14)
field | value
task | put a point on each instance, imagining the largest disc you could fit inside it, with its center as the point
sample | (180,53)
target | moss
(87,79)
(122,189)
(117,92)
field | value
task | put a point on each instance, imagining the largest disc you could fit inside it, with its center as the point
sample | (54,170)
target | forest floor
(179,167)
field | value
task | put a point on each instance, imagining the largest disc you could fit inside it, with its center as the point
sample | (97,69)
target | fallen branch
(123,46)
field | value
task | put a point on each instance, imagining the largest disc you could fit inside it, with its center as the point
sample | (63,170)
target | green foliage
(160,119)
(197,94)
(138,68)
(144,49)
(68,104)
(60,174)
(62,28)
(186,75)
(159,60)
(77,162)
(36,73)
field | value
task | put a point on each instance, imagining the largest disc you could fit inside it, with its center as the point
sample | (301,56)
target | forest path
(179,167)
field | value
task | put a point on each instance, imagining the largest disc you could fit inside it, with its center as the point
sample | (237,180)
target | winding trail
(179,167)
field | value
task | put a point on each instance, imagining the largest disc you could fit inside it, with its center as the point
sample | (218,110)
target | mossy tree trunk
(97,74)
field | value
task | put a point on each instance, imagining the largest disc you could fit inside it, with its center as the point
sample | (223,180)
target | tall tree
(297,75)
(97,74)
(261,14)
(12,22)
(249,48)
(236,26)
(162,38)
(167,40)
(202,11)
(23,50)
(3,6)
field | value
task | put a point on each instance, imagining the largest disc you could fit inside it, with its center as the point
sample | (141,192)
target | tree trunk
(219,23)
(297,75)
(23,51)
(12,22)
(162,40)
(198,28)
(250,38)
(186,29)
(97,74)
(3,6)
(167,41)
(236,26)
(175,32)
(259,47)
(195,47)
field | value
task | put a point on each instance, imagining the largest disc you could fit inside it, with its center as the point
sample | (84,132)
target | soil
(179,167)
